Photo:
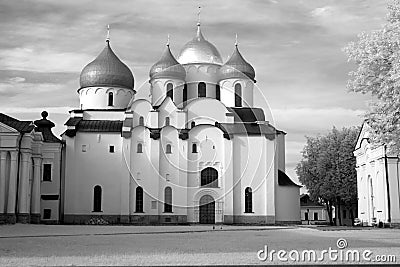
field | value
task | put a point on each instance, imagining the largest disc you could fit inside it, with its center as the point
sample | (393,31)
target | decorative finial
(44,114)
(108,33)
(198,16)
(168,39)
(236,40)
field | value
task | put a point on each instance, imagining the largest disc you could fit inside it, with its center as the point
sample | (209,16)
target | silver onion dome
(199,50)
(106,70)
(167,67)
(237,67)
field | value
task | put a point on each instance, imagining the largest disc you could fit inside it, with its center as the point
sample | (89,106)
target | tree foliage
(377,55)
(327,168)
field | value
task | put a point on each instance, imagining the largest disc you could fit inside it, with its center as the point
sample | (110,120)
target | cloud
(17,79)
(322,11)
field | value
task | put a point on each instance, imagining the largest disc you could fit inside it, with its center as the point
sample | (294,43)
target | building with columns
(378,181)
(196,151)
(30,171)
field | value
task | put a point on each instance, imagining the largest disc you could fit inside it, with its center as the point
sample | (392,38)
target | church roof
(20,126)
(199,50)
(80,125)
(167,66)
(284,180)
(236,66)
(106,70)
(247,114)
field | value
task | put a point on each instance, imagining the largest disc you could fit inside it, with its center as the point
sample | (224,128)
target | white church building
(378,181)
(197,151)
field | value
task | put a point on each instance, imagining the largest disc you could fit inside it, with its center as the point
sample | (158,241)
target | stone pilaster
(23,209)
(3,195)
(12,187)
(35,201)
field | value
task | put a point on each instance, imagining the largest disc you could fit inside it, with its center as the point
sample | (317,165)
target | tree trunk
(329,211)
(339,212)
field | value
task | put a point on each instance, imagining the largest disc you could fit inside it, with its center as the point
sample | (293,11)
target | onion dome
(167,67)
(106,70)
(199,50)
(236,66)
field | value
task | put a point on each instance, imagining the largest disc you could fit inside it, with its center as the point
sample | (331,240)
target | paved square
(163,245)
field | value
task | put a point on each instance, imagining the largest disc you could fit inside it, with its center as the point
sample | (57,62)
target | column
(23,212)
(3,167)
(35,201)
(12,185)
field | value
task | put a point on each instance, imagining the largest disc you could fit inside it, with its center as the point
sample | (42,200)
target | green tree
(377,56)
(327,169)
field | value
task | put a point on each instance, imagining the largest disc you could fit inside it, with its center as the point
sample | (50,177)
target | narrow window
(112,149)
(192,124)
(315,216)
(84,148)
(47,172)
(110,99)
(217,92)
(238,95)
(168,199)
(170,91)
(139,148)
(167,121)
(139,199)
(248,200)
(97,198)
(306,216)
(141,121)
(194,148)
(46,214)
(168,149)
(185,93)
(201,89)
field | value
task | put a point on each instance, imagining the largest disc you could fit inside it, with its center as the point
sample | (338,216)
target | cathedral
(196,151)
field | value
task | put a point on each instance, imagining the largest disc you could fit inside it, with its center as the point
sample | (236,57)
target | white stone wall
(97,97)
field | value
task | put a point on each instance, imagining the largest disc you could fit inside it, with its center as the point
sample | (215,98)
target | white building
(196,152)
(378,182)
(30,171)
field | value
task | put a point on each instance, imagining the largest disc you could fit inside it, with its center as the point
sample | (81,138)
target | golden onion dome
(167,67)
(106,70)
(236,67)
(199,50)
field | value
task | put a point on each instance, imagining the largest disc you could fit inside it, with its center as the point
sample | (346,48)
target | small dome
(236,66)
(106,70)
(167,66)
(199,50)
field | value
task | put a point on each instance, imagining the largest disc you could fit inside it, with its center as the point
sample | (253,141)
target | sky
(295,47)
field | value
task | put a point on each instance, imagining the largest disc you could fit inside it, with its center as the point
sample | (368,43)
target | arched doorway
(207,210)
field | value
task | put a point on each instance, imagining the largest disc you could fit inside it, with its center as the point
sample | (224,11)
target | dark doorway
(207,210)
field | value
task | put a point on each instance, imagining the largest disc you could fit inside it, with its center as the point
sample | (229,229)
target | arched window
(201,89)
(238,95)
(167,121)
(217,92)
(139,148)
(170,90)
(139,199)
(185,93)
(209,177)
(97,198)
(248,200)
(110,99)
(168,199)
(193,124)
(194,148)
(141,121)
(168,149)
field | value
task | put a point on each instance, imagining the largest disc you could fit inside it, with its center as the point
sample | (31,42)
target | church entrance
(207,210)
